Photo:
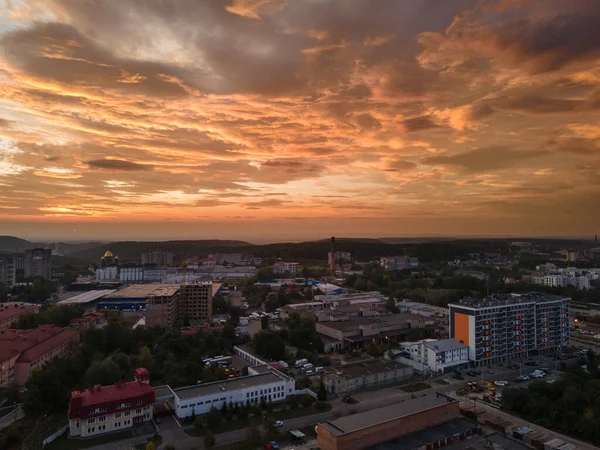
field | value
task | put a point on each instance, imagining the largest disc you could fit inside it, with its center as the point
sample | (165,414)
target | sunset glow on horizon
(269,120)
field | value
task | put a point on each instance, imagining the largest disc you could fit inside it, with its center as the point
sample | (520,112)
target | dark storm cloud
(117,165)
(485,159)
(419,124)
(547,45)
(481,111)
(367,122)
(61,53)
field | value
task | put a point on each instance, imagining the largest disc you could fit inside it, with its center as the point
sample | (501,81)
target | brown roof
(46,346)
(30,343)
(13,309)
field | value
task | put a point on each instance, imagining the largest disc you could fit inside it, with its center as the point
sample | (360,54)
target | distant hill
(131,251)
(12,244)
(417,240)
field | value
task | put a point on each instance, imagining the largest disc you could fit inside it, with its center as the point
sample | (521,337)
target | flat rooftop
(144,290)
(222,386)
(368,419)
(367,368)
(162,392)
(87,297)
(433,434)
(509,299)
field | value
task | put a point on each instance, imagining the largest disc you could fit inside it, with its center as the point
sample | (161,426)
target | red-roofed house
(102,409)
(22,351)
(94,319)
(11,311)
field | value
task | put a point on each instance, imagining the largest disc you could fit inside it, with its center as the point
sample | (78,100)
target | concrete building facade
(162,307)
(104,409)
(38,263)
(194,400)
(158,257)
(508,326)
(285,267)
(22,351)
(195,303)
(398,262)
(8,270)
(369,375)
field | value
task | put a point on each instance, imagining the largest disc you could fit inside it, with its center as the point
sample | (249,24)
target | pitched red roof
(14,309)
(14,342)
(47,345)
(110,397)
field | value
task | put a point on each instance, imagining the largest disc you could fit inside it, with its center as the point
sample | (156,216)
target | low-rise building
(285,267)
(398,262)
(103,409)
(368,429)
(8,269)
(94,319)
(22,351)
(433,355)
(194,400)
(10,312)
(367,375)
(355,331)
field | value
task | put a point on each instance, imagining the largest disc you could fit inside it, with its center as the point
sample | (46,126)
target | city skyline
(271,120)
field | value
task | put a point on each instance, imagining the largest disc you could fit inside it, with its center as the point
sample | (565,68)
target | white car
(501,383)
(279,424)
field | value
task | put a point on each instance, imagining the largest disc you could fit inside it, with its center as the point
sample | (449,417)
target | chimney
(332,258)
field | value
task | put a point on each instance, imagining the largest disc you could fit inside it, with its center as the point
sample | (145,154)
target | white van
(301,362)
(309,373)
(308,366)
(319,370)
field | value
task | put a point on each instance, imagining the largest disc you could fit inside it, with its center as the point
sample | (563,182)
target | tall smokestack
(332,256)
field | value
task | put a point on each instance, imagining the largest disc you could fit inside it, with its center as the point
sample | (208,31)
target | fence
(55,435)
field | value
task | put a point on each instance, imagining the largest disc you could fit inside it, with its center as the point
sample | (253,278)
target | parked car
(272,446)
(472,373)
(514,367)
(279,423)
(524,378)
(501,383)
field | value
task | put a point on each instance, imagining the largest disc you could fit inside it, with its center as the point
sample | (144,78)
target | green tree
(269,344)
(322,394)
(102,372)
(306,400)
(209,439)
(264,322)
(199,424)
(150,446)
(213,419)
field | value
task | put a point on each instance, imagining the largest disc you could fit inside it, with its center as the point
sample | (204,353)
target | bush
(306,400)
(321,406)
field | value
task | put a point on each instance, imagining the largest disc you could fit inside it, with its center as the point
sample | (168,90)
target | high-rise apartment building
(508,326)
(8,272)
(38,263)
(195,303)
(159,257)
(162,307)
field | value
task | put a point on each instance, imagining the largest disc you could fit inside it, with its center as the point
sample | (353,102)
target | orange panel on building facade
(461,327)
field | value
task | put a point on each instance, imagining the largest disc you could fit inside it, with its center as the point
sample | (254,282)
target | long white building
(195,400)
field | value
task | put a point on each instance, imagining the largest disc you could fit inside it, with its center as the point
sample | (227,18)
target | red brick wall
(363,439)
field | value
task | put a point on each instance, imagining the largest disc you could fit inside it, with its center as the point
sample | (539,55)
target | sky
(270,120)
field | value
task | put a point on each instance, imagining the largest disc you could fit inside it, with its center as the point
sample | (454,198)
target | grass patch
(415,387)
(440,381)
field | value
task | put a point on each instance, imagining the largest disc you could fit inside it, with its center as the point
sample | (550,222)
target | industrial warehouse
(437,413)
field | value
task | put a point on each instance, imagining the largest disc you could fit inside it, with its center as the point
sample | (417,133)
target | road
(173,434)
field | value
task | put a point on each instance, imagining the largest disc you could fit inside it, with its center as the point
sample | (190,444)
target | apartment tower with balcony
(503,327)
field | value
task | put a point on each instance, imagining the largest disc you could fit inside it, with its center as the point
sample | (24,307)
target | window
(126,413)
(92,420)
(117,415)
(139,411)
(124,405)
(101,418)
(139,402)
